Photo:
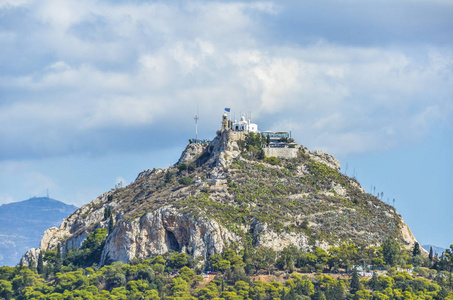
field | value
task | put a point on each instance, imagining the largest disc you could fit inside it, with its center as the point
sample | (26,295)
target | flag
(227,109)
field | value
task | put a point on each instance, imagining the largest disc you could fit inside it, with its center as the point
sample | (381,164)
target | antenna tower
(196,127)
(290,127)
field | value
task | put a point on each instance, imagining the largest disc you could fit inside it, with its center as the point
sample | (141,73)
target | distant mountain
(23,223)
(436,249)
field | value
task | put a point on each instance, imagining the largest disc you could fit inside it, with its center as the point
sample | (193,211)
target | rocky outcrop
(268,238)
(163,230)
(325,158)
(408,238)
(224,148)
(192,152)
(31,255)
(75,228)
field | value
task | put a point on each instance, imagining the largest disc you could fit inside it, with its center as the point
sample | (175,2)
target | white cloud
(126,66)
(14,3)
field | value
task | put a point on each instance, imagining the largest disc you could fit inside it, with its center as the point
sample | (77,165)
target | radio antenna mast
(196,127)
(290,127)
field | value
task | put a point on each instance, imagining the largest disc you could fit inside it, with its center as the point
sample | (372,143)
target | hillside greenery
(251,273)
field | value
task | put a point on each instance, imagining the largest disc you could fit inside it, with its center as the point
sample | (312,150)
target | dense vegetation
(250,273)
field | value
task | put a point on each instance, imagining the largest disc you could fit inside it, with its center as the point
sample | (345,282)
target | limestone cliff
(163,230)
(227,197)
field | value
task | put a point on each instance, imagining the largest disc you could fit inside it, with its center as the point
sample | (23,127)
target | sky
(94,92)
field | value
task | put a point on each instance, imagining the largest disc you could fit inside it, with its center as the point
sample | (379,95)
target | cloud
(96,77)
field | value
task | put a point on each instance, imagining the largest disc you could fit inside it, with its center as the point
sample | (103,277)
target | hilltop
(23,223)
(229,192)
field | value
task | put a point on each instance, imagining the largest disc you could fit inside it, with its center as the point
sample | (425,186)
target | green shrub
(271,160)
(186,180)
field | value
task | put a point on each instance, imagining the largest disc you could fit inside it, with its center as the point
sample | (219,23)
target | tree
(40,267)
(265,258)
(355,283)
(107,213)
(178,260)
(431,254)
(186,273)
(182,167)
(346,254)
(90,251)
(110,225)
(58,259)
(416,251)
(6,289)
(223,265)
(210,291)
(335,291)
(254,145)
(186,180)
(318,295)
(95,239)
(168,176)
(391,251)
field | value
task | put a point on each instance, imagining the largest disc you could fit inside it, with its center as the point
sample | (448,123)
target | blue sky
(93,92)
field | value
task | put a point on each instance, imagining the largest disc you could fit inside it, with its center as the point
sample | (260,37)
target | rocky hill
(23,223)
(229,193)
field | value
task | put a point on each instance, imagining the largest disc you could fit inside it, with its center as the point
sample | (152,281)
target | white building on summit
(244,125)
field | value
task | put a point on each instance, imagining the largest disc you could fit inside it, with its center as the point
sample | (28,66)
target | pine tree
(32,266)
(110,224)
(48,270)
(416,251)
(373,281)
(355,282)
(431,253)
(40,267)
(335,291)
(290,265)
(58,259)
(107,213)
(391,251)
(318,295)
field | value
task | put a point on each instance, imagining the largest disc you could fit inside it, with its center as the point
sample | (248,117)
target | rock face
(191,152)
(31,255)
(325,158)
(163,230)
(224,148)
(269,238)
(293,203)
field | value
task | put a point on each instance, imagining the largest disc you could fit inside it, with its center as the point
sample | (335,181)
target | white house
(244,125)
